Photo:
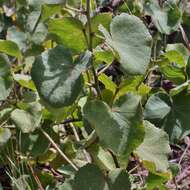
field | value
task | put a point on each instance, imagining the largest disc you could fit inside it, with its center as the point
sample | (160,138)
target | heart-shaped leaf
(132,41)
(57,78)
(119,128)
(155,147)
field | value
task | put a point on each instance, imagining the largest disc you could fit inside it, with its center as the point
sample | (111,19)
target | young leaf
(119,128)
(57,78)
(132,41)
(69,32)
(10,48)
(104,19)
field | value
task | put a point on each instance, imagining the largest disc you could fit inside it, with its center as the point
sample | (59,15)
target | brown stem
(36,178)
(58,149)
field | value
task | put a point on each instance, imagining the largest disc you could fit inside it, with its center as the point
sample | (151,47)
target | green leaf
(101,157)
(32,19)
(69,32)
(5,113)
(24,81)
(103,56)
(119,179)
(36,4)
(180,48)
(121,128)
(5,134)
(157,107)
(172,71)
(19,37)
(89,177)
(10,48)
(188,68)
(33,144)
(6,80)
(166,18)
(109,84)
(175,57)
(104,19)
(171,113)
(155,181)
(129,84)
(179,88)
(155,147)
(132,41)
(39,36)
(49,10)
(57,78)
(29,119)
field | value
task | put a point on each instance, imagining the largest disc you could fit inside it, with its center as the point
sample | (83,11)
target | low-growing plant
(94,94)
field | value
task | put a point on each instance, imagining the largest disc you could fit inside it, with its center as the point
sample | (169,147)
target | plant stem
(58,149)
(36,178)
(90,46)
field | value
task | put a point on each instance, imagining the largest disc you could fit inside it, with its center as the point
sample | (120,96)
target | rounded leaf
(57,78)
(132,41)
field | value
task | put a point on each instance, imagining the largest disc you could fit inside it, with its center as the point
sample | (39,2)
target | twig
(133,169)
(104,69)
(185,38)
(58,149)
(184,153)
(36,178)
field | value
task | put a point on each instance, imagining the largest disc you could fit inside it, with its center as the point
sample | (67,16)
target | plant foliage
(94,93)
